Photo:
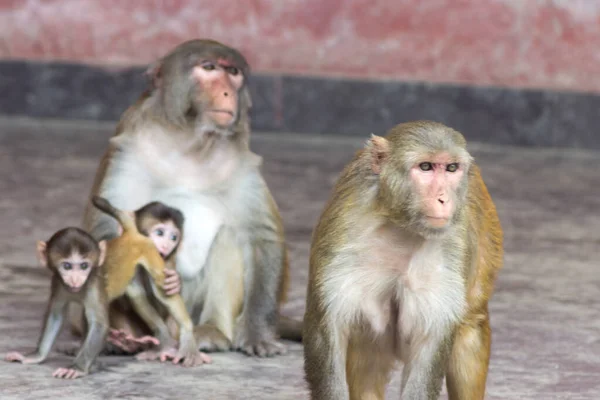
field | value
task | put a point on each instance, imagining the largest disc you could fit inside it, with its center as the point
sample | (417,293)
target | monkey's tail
(126,221)
(289,328)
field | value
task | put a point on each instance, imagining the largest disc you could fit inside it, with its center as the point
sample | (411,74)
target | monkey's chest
(171,165)
(409,294)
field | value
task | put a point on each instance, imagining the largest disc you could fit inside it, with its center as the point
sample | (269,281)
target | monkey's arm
(96,313)
(423,375)
(265,264)
(325,350)
(50,330)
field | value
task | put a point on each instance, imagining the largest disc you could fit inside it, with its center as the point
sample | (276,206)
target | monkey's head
(422,169)
(162,224)
(202,82)
(71,253)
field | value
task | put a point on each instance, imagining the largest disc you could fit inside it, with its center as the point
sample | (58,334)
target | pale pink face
(165,237)
(74,271)
(220,80)
(437,180)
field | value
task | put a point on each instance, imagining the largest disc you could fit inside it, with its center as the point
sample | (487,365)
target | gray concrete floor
(545,311)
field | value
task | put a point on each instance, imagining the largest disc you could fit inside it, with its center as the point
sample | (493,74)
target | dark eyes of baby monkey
(73,257)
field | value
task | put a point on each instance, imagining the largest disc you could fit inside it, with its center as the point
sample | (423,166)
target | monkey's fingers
(14,356)
(67,373)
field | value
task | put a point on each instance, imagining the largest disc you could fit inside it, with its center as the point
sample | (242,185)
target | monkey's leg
(265,265)
(224,289)
(368,365)
(425,367)
(468,367)
(188,349)
(137,294)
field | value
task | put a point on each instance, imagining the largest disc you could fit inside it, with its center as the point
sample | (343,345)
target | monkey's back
(123,255)
(486,239)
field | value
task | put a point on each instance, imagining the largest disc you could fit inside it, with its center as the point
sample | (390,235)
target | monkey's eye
(232,70)
(452,167)
(66,266)
(84,266)
(208,66)
(174,238)
(160,232)
(426,166)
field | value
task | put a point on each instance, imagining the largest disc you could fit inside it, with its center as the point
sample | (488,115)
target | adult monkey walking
(185,143)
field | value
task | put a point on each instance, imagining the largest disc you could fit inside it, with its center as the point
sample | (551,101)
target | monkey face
(166,237)
(218,83)
(74,270)
(202,82)
(436,180)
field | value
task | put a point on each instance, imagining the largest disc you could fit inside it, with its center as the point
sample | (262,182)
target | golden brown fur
(385,286)
(124,255)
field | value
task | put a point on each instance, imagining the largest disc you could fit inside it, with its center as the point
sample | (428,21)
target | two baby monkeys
(94,274)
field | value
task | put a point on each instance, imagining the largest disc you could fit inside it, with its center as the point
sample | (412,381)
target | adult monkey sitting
(185,143)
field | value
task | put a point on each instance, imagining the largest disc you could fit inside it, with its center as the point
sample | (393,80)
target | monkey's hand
(15,356)
(129,343)
(172,283)
(254,341)
(68,373)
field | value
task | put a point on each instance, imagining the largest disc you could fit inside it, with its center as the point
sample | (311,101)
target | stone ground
(545,312)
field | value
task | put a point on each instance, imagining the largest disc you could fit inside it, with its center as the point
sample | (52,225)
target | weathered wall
(531,43)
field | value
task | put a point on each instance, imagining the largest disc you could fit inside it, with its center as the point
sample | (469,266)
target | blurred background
(523,72)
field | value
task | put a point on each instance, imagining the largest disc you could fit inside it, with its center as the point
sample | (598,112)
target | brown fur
(373,215)
(123,257)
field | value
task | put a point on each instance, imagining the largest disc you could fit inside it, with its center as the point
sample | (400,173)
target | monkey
(124,254)
(164,225)
(402,265)
(74,258)
(185,142)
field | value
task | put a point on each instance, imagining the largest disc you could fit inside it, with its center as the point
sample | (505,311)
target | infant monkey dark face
(163,224)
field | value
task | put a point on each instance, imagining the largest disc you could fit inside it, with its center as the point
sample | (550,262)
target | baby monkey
(73,257)
(124,254)
(164,225)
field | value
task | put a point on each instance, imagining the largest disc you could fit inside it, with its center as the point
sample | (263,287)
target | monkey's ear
(378,148)
(102,245)
(41,253)
(154,74)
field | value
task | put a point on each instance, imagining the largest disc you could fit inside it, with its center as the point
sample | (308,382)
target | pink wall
(535,43)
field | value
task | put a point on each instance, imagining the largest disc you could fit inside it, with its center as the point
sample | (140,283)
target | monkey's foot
(67,373)
(188,358)
(260,347)
(129,343)
(209,338)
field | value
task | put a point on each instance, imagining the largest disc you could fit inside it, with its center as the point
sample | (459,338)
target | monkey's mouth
(437,221)
(220,111)
(74,289)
